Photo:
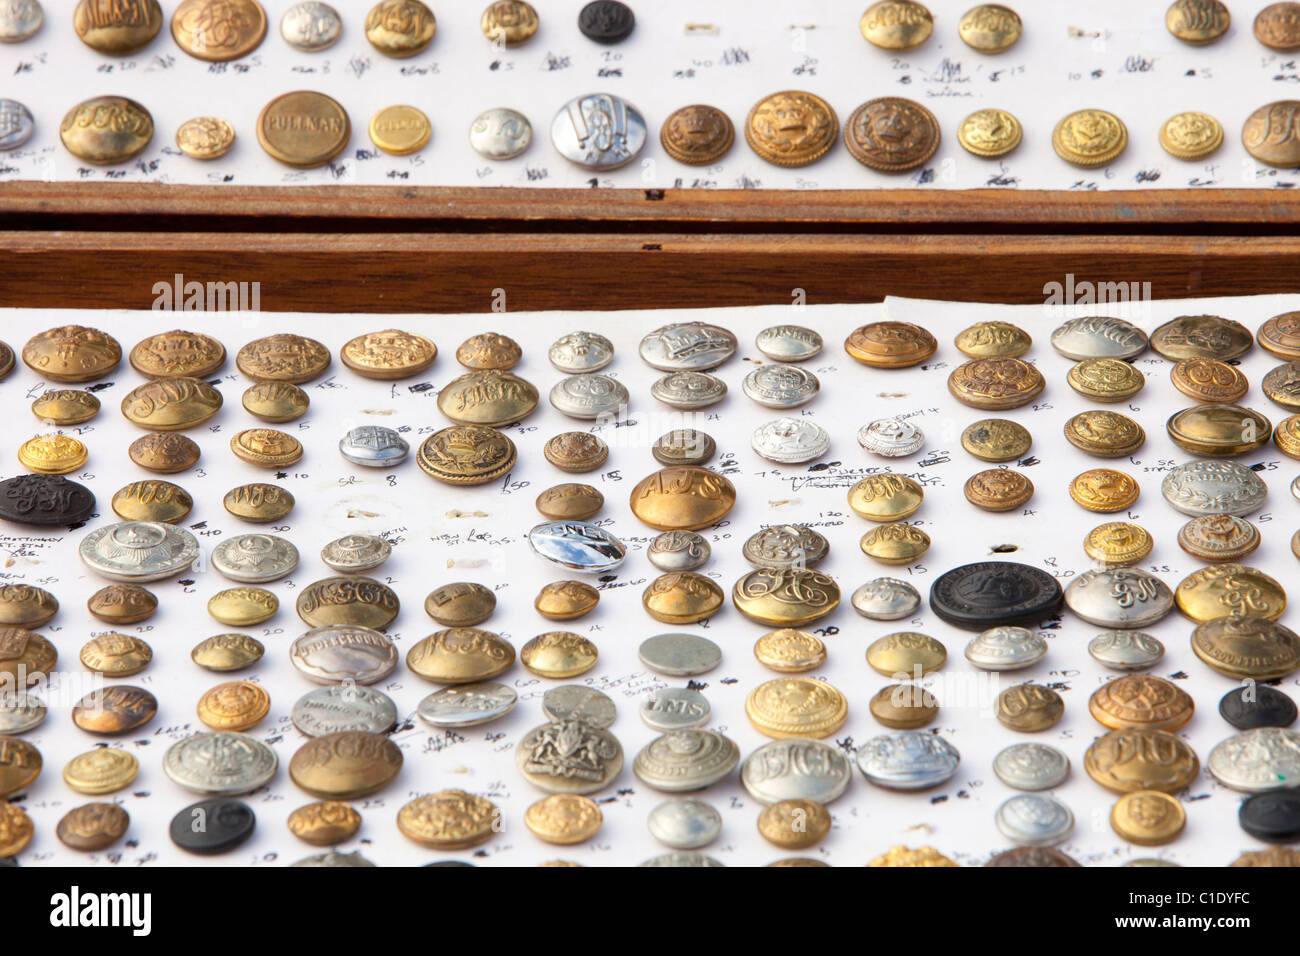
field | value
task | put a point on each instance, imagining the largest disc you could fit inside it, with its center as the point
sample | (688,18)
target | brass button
(449,820)
(697,135)
(1281,336)
(890,344)
(116,655)
(178,353)
(1277,26)
(388,355)
(1141,700)
(466,455)
(93,827)
(1197,21)
(489,397)
(996,439)
(995,383)
(891,134)
(906,856)
(117,29)
(1105,434)
(243,606)
(1090,138)
(114,710)
(345,765)
(171,404)
(20,765)
(1287,436)
(164,452)
(236,705)
(794,824)
(400,130)
(886,497)
(993,340)
(205,137)
(790,651)
(1135,759)
(990,133)
(462,604)
(1218,537)
(1104,490)
(460,655)
(791,128)
(1105,379)
(1247,647)
(400,28)
(682,499)
(325,823)
(990,28)
(904,706)
(266,447)
(796,707)
(303,129)
(896,24)
(219,30)
(72,353)
(1029,708)
(510,22)
(998,489)
(25,657)
(785,597)
(570,502)
(1201,336)
(100,771)
(489,350)
(576,452)
(906,654)
(106,130)
(16,830)
(1208,380)
(259,503)
(1118,543)
(26,606)
(1219,430)
(227,652)
(52,454)
(566,600)
(895,543)
(1148,818)
(283,358)
(343,601)
(558,654)
(66,406)
(1225,589)
(682,597)
(275,402)
(1282,386)
(564,818)
(1191,135)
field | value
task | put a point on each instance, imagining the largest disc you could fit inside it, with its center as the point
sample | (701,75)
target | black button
(992,593)
(45,500)
(1257,705)
(213,826)
(606,21)
(1274,816)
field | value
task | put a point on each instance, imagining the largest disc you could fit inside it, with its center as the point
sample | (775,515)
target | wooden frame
(397,249)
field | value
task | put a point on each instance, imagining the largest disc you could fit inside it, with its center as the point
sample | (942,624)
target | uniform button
(219,30)
(205,137)
(303,129)
(1090,138)
(311,27)
(400,28)
(598,131)
(1191,136)
(891,134)
(111,28)
(791,128)
(896,24)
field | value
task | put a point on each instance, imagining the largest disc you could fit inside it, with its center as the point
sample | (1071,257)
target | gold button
(164,452)
(205,137)
(20,765)
(896,24)
(796,707)
(100,771)
(906,856)
(266,447)
(1141,700)
(990,133)
(993,340)
(1105,434)
(990,28)
(325,823)
(460,655)
(1247,647)
(171,404)
(682,499)
(236,705)
(489,350)
(152,500)
(348,601)
(283,358)
(1202,336)
(886,497)
(570,502)
(891,134)
(114,710)
(388,355)
(461,604)
(52,454)
(1197,21)
(895,543)
(1029,708)
(996,439)
(16,830)
(275,401)
(117,29)
(682,597)
(1090,138)
(66,406)
(400,28)
(176,354)
(1282,386)
(449,820)
(785,597)
(106,130)
(790,651)
(25,606)
(489,397)
(1219,430)
(1118,543)
(564,818)
(906,654)
(794,824)
(1281,336)
(1208,380)
(566,600)
(1225,589)
(791,128)
(400,130)
(1277,26)
(1133,759)
(1148,818)
(1287,436)
(558,654)
(904,706)
(512,22)
(219,30)
(1191,135)
(72,353)
(303,129)
(697,135)
(998,489)
(227,652)
(1218,537)
(466,455)
(25,657)
(890,344)
(1273,856)
(576,452)
(995,383)
(259,503)
(345,765)
(243,606)
(1105,379)
(1104,490)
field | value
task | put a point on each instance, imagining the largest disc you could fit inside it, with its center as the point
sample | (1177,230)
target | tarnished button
(26,658)
(598,131)
(20,712)
(114,28)
(886,599)
(1218,537)
(460,655)
(1090,138)
(1105,379)
(1141,700)
(20,21)
(490,397)
(347,602)
(891,134)
(978,596)
(679,655)
(1219,430)
(220,762)
(326,823)
(580,352)
(100,771)
(1257,705)
(781,386)
(20,765)
(93,827)
(24,605)
(1281,336)
(65,406)
(1197,22)
(1034,819)
(996,439)
(990,28)
(687,346)
(500,133)
(788,343)
(227,652)
(374,446)
(164,452)
(794,824)
(790,651)
(1209,380)
(997,383)
(906,653)
(177,354)
(461,604)
(387,355)
(1257,761)
(16,127)
(1099,336)
(283,357)
(205,137)
(796,707)
(1117,543)
(266,447)
(489,351)
(1277,26)
(564,818)
(685,760)
(211,827)
(1125,650)
(311,27)
(219,30)
(891,437)
(578,702)
(575,451)
(682,499)
(1006,649)
(796,768)
(258,503)
(558,655)
(236,705)
(679,551)
(243,606)
(466,455)
(16,831)
(791,128)
(355,553)
(896,543)
(993,340)
(340,707)
(785,597)
(1029,708)
(1141,759)
(152,500)
(72,353)
(1031,767)
(139,551)
(910,760)
(304,129)
(569,756)
(990,133)
(1122,598)
(684,823)
(400,28)
(904,706)
(785,546)
(1105,434)
(1271,816)
(346,765)
(467,705)
(1202,336)
(116,655)
(606,21)
(589,395)
(682,597)
(566,600)
(998,489)
(1282,386)
(890,344)
(1191,135)
(1247,647)
(509,22)
(255,558)
(886,497)
(1273,856)
(896,24)
(1213,487)
(52,454)
(790,440)
(400,130)
(1223,589)
(577,546)
(114,710)
(449,820)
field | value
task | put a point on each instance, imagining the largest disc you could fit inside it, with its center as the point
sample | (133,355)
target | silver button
(255,558)
(581,352)
(1125,650)
(139,551)
(891,437)
(311,27)
(1034,819)
(342,707)
(687,346)
(790,441)
(354,553)
(575,702)
(781,386)
(373,446)
(686,760)
(19,20)
(1120,598)
(16,124)
(577,546)
(224,763)
(1213,487)
(20,712)
(1031,766)
(500,133)
(334,858)
(598,131)
(334,654)
(679,551)
(788,343)
(1255,761)
(679,655)
(886,599)
(682,858)
(589,395)
(689,390)
(674,708)
(1005,649)
(785,546)
(796,768)
(1099,337)
(467,705)
(909,760)
(685,823)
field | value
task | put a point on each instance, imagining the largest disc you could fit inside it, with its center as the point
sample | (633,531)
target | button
(569,756)
(1032,856)
(490,397)
(682,499)
(790,440)
(1125,650)
(575,451)
(1273,856)
(910,760)
(678,551)
(679,655)
(211,827)
(993,340)
(1090,138)
(790,651)
(687,346)
(449,820)
(100,771)
(580,352)
(355,553)
(139,551)
(311,27)
(785,546)
(400,130)
(52,454)
(577,546)
(891,438)
(684,823)
(1105,434)
(1031,767)
(112,28)
(1282,386)
(1277,26)
(791,128)
(682,597)
(347,602)
(1034,819)
(906,654)
(785,597)
(466,455)
(1197,22)
(990,133)
(598,131)
(489,351)
(254,558)
(1099,337)
(990,28)
(1247,647)
(886,599)
(20,765)
(20,21)
(1256,761)
(45,500)
(152,500)
(1104,490)
(227,652)
(996,439)
(236,705)
(72,353)
(1191,136)
(796,768)
(400,28)
(178,354)
(1029,708)
(578,702)
(374,446)
(205,137)
(1006,649)
(283,358)
(341,707)
(164,452)
(1224,589)
(689,390)
(219,30)
(995,384)
(221,762)
(558,655)
(1209,380)
(20,712)
(325,823)
(606,21)
(500,134)
(462,604)
(589,396)
(391,354)
(1202,336)
(116,655)
(1218,537)
(904,706)
(114,710)
(346,765)
(1271,816)
(460,655)
(891,134)
(564,819)
(1141,759)
(22,605)
(509,22)
(896,24)
(788,343)
(1257,705)
(896,543)
(794,824)
(266,447)
(65,406)
(998,489)
(467,705)
(243,607)
(978,596)
(1105,379)
(1219,430)
(1123,598)
(1213,487)
(25,657)
(685,760)
(796,707)
(781,386)
(171,404)
(1281,336)
(258,503)
(886,497)
(906,856)
(1143,701)
(890,344)
(16,127)
(566,600)
(304,129)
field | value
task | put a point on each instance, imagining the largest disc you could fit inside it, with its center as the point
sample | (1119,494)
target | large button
(219,30)
(687,346)
(1281,336)
(569,756)
(684,760)
(346,654)
(24,605)
(1208,380)
(1105,434)
(1257,761)
(1143,701)
(346,765)
(45,500)
(896,24)
(598,131)
(345,601)
(1123,598)
(460,655)
(467,705)
(996,384)
(449,820)
(114,710)
(1247,647)
(222,762)
(1219,430)
(1213,487)
(283,358)
(890,344)
(978,596)
(1202,336)
(304,129)
(796,707)
(72,353)
(1197,21)
(791,128)
(910,760)
(577,546)
(226,825)
(178,353)
(886,497)
(400,28)
(682,499)
(466,455)
(1099,336)
(139,551)
(1224,589)
(491,397)
(117,29)
(1141,759)
(785,597)
(1277,26)
(171,404)
(796,768)
(387,355)
(892,134)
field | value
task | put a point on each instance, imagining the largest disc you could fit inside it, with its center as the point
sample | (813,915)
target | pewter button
(355,553)
(679,551)
(679,655)
(589,395)
(16,124)
(577,546)
(1120,598)
(1031,766)
(684,823)
(373,446)
(796,768)
(687,346)
(891,437)
(886,599)
(576,702)
(1125,650)
(139,551)
(788,343)
(20,712)
(467,705)
(674,708)
(334,654)
(255,558)
(790,441)
(785,546)
(1099,337)
(581,352)
(500,133)
(1213,487)
(781,386)
(598,131)
(689,390)
(341,707)
(686,760)
(19,20)
(311,27)
(910,760)
(224,763)
(1034,819)
(1006,649)
(1256,761)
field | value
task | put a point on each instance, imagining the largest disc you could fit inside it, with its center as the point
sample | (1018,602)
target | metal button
(177,353)
(1029,708)
(790,440)
(345,765)
(1191,135)
(226,825)
(996,439)
(283,358)
(998,489)
(139,551)
(243,606)
(1006,649)
(1141,700)
(687,346)
(1090,138)
(606,21)
(255,558)
(566,600)
(355,553)
(219,30)
(311,27)
(400,28)
(1243,646)
(1277,26)
(52,454)
(20,21)
(1099,336)
(1281,336)
(796,707)
(490,397)
(679,655)
(1105,379)
(577,546)
(558,655)
(996,384)
(578,702)
(1218,537)
(1031,767)
(1213,487)
(684,823)
(685,760)
(115,655)
(564,818)
(1197,21)
(891,438)
(467,705)
(24,605)
(304,129)
(788,343)
(794,824)
(1219,430)
(374,446)
(1034,819)
(990,28)
(581,352)
(1230,589)
(598,131)
(1256,761)
(791,128)
(1105,434)
(343,654)
(978,596)
(227,652)
(785,597)
(205,137)
(220,762)
(325,823)
(895,543)
(115,710)
(100,771)
(891,134)
(904,706)
(1125,650)
(388,355)
(111,28)
(258,503)
(467,455)
(1123,598)
(569,756)
(990,133)
(589,396)
(679,551)
(1202,336)
(1141,759)
(72,353)
(896,24)
(164,452)
(1117,543)
(890,344)
(340,707)
(152,500)
(910,760)
(500,134)
(886,599)
(460,655)
(682,597)
(509,22)
(790,651)
(1257,705)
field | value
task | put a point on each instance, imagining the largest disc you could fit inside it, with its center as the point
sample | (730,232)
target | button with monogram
(25,605)
(347,601)
(682,499)
(509,22)
(1137,758)
(577,546)
(114,710)
(116,29)
(345,765)
(1247,647)
(1119,597)
(1198,22)
(1125,650)
(171,404)
(785,546)
(177,353)
(1029,708)
(566,600)
(219,30)
(788,650)
(791,128)
(993,340)
(45,500)
(164,452)
(598,131)
(1099,337)
(400,28)
(896,24)
(283,357)
(891,134)
(490,397)
(461,604)
(1230,589)
(311,27)
(72,353)
(990,28)
(606,21)
(895,543)
(500,133)
(679,551)
(682,597)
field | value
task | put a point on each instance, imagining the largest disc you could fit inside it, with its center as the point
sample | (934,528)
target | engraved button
(219,30)
(598,131)
(1202,336)
(460,655)
(400,28)
(303,129)
(896,24)
(890,344)
(117,29)
(1143,701)
(1099,336)
(791,128)
(311,27)
(1090,138)
(500,134)
(891,134)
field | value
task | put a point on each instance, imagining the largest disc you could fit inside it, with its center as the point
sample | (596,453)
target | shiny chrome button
(577,546)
